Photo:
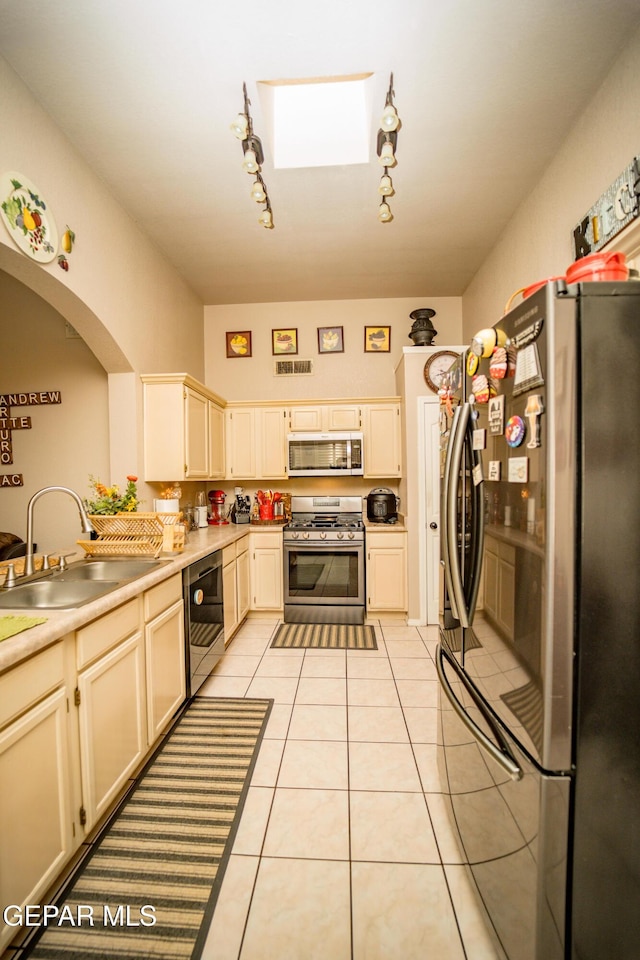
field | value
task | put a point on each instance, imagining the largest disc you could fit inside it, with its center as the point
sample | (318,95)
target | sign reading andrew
(9,423)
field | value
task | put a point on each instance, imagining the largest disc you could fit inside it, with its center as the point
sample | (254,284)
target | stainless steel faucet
(84,521)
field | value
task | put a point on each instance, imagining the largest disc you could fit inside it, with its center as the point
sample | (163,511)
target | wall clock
(436,366)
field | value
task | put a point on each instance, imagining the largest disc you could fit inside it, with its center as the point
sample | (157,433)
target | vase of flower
(107,501)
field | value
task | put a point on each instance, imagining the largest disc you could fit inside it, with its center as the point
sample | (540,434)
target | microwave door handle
(457,443)
(348,445)
(501,754)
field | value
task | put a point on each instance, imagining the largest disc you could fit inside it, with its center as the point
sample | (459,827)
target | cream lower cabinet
(36,809)
(386,572)
(113,724)
(266,573)
(235,585)
(164,649)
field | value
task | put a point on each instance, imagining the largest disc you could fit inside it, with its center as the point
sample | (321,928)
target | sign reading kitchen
(9,423)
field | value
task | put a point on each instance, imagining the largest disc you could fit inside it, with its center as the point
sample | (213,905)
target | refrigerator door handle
(477,534)
(501,754)
(453,466)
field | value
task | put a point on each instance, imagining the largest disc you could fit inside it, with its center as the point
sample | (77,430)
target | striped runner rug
(149,888)
(328,636)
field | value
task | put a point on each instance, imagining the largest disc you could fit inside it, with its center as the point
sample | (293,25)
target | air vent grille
(292,368)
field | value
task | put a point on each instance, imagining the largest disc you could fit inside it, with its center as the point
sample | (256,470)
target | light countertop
(61,622)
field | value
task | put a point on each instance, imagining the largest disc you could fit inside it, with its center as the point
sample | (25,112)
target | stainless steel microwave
(324,454)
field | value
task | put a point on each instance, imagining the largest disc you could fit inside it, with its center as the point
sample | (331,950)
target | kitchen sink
(112,569)
(80,583)
(55,594)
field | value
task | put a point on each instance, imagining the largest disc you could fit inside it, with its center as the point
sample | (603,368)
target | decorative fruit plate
(27,218)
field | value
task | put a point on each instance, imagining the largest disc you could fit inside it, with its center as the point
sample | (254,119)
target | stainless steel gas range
(324,561)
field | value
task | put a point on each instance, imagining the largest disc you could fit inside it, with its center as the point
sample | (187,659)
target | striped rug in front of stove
(167,847)
(326,636)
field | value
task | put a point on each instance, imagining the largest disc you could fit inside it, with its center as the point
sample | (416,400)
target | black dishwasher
(204,618)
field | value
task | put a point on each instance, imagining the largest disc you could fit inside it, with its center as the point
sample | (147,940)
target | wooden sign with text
(9,423)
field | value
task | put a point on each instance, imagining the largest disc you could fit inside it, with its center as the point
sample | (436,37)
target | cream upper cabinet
(256,442)
(386,571)
(382,440)
(325,417)
(216,442)
(183,438)
(240,431)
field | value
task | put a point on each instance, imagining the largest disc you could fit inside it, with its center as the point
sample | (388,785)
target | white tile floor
(344,851)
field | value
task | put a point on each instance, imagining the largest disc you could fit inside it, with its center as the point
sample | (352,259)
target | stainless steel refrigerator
(539,652)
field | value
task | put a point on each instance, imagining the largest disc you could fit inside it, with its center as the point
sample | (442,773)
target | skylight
(320,122)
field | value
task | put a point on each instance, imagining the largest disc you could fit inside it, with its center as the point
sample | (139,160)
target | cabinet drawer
(93,640)
(384,540)
(270,540)
(162,596)
(30,681)
(242,545)
(228,554)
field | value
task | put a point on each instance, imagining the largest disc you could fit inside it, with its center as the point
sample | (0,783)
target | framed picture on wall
(330,340)
(238,343)
(284,341)
(377,339)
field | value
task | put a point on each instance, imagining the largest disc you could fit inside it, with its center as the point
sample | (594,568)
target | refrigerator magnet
(472,363)
(476,473)
(498,363)
(495,469)
(518,470)
(532,411)
(496,415)
(479,439)
(515,431)
(528,370)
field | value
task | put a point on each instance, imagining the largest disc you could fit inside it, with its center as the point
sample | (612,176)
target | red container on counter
(598,266)
(266,510)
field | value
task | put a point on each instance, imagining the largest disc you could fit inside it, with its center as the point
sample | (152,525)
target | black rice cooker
(382,505)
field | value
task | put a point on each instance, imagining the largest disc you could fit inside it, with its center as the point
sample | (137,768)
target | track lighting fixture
(386,150)
(253,158)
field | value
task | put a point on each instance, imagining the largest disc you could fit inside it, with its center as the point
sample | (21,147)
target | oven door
(323,576)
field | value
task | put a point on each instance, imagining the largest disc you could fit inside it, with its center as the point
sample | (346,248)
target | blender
(216,501)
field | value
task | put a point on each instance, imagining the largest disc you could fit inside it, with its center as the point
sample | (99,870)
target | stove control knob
(323,535)
(305,535)
(295,535)
(351,535)
(341,536)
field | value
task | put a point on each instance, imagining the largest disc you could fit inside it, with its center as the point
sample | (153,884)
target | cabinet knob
(433,525)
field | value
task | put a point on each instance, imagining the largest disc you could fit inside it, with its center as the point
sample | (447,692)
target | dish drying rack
(132,534)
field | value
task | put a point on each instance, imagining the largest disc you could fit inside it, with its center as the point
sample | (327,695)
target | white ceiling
(486,90)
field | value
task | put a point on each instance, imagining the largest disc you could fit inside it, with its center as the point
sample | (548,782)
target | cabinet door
(344,417)
(216,442)
(304,419)
(196,415)
(240,432)
(229,600)
(490,579)
(272,443)
(36,822)
(382,449)
(112,713)
(386,579)
(165,668)
(242,579)
(266,578)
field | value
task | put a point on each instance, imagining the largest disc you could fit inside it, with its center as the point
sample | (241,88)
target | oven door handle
(501,754)
(322,544)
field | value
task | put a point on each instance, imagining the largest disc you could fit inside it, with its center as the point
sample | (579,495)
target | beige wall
(131,308)
(349,374)
(66,441)
(537,243)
